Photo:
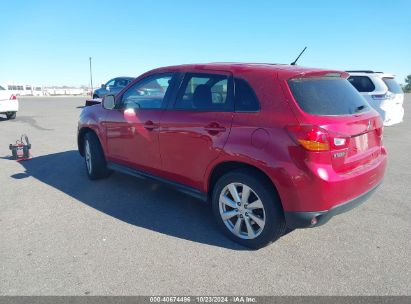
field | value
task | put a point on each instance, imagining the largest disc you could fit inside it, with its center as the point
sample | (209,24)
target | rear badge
(339,154)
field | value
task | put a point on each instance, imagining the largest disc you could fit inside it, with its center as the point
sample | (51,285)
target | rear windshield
(327,96)
(392,85)
(362,83)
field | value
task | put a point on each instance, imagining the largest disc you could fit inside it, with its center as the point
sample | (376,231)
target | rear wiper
(360,108)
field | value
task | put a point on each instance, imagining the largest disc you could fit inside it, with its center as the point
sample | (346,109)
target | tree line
(407,86)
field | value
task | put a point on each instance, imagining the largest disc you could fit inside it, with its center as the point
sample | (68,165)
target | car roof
(284,71)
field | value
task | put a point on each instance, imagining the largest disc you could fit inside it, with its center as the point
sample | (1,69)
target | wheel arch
(80,138)
(226,166)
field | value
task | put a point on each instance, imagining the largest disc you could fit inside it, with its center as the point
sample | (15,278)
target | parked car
(113,86)
(382,92)
(269,146)
(9,105)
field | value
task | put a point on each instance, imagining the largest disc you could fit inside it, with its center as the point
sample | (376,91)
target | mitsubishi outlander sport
(269,146)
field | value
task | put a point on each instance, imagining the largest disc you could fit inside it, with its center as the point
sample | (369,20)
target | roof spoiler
(363,71)
(322,73)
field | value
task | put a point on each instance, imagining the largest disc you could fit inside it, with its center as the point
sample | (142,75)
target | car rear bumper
(296,220)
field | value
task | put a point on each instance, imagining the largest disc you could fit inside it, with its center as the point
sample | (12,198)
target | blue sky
(49,42)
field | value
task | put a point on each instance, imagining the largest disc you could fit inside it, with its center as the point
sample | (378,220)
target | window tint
(327,96)
(121,82)
(148,93)
(204,93)
(245,98)
(362,83)
(392,85)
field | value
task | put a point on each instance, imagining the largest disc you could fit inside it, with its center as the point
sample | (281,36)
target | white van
(16,89)
(37,91)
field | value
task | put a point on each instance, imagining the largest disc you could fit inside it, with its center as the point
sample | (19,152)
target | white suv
(382,92)
(9,104)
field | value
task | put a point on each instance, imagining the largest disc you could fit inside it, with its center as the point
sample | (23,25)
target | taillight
(13,97)
(314,138)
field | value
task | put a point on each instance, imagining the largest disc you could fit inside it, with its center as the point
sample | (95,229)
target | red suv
(270,146)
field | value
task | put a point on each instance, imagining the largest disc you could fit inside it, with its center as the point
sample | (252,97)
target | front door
(132,128)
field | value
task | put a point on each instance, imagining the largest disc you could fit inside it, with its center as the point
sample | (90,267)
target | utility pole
(91,78)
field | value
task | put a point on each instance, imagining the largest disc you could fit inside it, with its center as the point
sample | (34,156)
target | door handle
(214,128)
(149,125)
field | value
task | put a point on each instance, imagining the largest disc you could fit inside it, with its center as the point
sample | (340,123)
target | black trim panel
(296,220)
(141,174)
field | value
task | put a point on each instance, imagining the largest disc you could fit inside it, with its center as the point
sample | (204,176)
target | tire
(96,165)
(11,115)
(266,219)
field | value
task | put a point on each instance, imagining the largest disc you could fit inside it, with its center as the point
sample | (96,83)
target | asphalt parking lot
(61,234)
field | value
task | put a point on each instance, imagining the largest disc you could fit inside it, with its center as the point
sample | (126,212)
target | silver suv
(113,86)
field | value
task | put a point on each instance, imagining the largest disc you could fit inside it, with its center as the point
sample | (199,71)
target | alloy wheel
(87,157)
(242,211)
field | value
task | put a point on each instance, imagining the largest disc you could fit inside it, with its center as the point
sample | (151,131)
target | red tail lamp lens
(312,138)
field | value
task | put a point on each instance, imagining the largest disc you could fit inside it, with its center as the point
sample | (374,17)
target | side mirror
(103,86)
(109,102)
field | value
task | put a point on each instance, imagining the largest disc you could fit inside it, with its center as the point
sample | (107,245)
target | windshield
(392,85)
(327,96)
(2,89)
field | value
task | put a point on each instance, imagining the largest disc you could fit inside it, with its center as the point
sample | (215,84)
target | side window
(362,83)
(245,98)
(110,83)
(120,82)
(204,92)
(148,93)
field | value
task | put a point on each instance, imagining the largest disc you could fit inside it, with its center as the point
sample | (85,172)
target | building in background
(19,89)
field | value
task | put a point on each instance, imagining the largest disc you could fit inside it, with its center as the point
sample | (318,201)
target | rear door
(354,128)
(196,126)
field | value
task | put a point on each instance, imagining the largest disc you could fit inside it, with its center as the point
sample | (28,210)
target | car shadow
(135,201)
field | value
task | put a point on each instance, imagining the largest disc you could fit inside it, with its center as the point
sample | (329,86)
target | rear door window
(392,85)
(245,98)
(327,96)
(363,84)
(205,92)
